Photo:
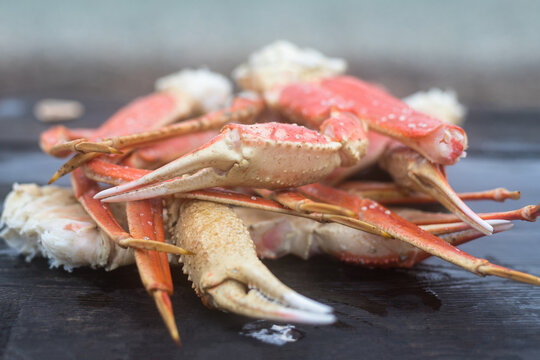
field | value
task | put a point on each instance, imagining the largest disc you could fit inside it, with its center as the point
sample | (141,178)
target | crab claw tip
(304,303)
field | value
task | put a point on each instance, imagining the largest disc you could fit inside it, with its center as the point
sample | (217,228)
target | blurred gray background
(489,51)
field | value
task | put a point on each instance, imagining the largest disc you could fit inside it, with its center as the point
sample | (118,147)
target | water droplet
(269,333)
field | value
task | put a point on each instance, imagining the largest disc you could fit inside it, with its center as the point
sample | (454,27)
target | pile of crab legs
(279,167)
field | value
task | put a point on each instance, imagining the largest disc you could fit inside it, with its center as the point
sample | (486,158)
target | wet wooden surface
(432,310)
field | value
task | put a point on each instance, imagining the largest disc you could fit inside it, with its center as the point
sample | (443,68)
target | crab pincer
(270,155)
(226,272)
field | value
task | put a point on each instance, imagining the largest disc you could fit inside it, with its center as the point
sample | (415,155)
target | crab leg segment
(153,156)
(243,109)
(328,212)
(61,134)
(149,112)
(313,106)
(276,235)
(270,155)
(437,141)
(153,266)
(145,221)
(227,274)
(398,228)
(390,194)
(527,213)
(84,190)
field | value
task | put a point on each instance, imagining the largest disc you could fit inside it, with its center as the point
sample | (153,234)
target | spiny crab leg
(398,228)
(387,193)
(243,109)
(411,170)
(227,274)
(145,221)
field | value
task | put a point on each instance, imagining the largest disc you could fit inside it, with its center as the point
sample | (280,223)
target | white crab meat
(208,89)
(49,222)
(441,104)
(282,63)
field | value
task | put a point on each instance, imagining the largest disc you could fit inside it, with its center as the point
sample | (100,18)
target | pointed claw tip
(100,195)
(53,178)
(500,271)
(115,151)
(485,228)
(163,303)
(313,318)
(304,303)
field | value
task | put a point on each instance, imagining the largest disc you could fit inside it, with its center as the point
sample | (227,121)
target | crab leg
(153,267)
(387,193)
(243,109)
(153,156)
(398,228)
(227,274)
(527,213)
(151,111)
(145,221)
(276,235)
(85,189)
(437,141)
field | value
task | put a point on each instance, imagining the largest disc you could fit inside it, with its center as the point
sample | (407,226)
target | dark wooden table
(433,310)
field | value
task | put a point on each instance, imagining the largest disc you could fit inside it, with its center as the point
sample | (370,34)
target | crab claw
(227,274)
(242,155)
(411,170)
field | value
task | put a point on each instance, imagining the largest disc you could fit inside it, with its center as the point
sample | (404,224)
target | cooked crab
(353,125)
